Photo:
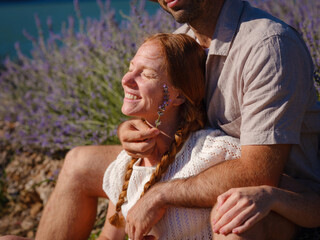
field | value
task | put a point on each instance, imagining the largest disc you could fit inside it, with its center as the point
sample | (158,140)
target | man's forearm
(203,189)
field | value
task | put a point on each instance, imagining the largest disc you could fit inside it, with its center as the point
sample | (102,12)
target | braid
(116,220)
(165,161)
(194,119)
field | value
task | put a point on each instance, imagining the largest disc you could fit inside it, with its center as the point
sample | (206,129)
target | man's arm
(258,165)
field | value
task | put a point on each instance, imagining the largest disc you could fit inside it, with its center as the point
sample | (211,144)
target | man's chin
(183,16)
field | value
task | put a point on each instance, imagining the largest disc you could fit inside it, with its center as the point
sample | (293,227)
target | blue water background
(16,16)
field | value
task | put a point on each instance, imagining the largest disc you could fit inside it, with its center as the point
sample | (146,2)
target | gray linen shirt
(260,87)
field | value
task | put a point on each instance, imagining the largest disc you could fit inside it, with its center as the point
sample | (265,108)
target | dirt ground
(26,182)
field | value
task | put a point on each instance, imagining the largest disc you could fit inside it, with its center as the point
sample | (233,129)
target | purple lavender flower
(163,105)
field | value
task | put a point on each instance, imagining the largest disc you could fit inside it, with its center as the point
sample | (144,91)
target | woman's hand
(238,209)
(137,138)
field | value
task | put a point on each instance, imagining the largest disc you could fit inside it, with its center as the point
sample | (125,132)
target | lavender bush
(68,92)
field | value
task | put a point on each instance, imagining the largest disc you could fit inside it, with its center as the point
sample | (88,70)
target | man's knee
(75,165)
(84,166)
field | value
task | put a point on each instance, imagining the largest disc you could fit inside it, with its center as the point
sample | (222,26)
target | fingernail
(222,232)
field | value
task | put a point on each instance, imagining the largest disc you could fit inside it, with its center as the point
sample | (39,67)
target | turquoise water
(16,16)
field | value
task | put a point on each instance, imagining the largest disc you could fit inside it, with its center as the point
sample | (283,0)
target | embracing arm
(258,165)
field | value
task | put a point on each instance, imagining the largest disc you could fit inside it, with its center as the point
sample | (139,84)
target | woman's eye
(149,76)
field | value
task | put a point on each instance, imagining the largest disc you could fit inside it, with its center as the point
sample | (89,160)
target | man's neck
(204,27)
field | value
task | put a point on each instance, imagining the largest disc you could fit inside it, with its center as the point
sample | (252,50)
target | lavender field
(68,92)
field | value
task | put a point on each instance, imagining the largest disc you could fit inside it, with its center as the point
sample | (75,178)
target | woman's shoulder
(209,135)
(211,142)
(114,176)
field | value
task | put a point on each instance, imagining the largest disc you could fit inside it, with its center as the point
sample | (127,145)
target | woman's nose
(129,80)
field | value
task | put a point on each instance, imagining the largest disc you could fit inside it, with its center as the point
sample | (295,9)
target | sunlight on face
(144,81)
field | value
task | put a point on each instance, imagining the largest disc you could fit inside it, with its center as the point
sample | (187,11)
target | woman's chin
(128,111)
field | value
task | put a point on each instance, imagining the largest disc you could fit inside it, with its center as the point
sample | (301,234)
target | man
(257,93)
(260,89)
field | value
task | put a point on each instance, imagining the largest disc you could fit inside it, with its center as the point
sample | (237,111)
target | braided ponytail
(191,122)
(116,220)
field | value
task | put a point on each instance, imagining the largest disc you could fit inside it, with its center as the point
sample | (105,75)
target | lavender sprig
(165,103)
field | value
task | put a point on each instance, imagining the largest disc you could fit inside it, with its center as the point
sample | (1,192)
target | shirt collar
(225,29)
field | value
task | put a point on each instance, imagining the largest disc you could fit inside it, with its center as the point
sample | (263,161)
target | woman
(165,86)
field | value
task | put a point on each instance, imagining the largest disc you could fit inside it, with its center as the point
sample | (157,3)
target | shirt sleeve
(277,81)
(113,178)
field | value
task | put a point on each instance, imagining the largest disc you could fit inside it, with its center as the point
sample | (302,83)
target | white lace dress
(202,150)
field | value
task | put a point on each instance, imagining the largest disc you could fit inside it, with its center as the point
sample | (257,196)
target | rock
(28,223)
(4,225)
(44,190)
(35,209)
(30,234)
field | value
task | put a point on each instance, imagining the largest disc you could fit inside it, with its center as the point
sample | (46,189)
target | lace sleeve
(219,147)
(204,149)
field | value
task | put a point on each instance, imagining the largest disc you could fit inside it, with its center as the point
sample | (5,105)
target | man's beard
(189,13)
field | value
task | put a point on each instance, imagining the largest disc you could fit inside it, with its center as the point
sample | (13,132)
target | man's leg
(71,210)
(272,227)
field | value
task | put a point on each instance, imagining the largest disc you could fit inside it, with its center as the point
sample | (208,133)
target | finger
(238,220)
(135,135)
(215,216)
(223,197)
(126,228)
(140,149)
(129,228)
(229,211)
(138,234)
(130,130)
(227,203)
(248,224)
(132,232)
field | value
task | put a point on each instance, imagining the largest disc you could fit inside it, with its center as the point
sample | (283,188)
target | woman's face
(143,83)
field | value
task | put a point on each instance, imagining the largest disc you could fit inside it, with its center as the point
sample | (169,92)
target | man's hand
(137,138)
(239,209)
(145,213)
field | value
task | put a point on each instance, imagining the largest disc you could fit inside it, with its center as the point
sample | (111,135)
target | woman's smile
(130,96)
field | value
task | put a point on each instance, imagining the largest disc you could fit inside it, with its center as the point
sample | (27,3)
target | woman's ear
(178,99)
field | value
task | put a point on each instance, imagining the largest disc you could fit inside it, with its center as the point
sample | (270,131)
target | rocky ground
(26,182)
